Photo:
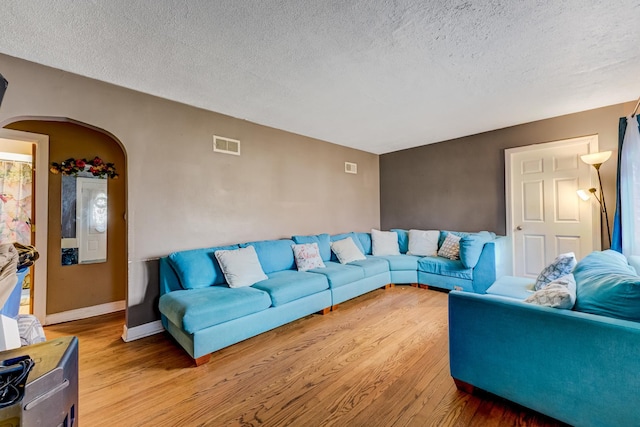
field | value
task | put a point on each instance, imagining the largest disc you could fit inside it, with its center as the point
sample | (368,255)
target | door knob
(518,228)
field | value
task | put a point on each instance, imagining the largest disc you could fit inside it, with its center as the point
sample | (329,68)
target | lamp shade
(596,158)
(584,195)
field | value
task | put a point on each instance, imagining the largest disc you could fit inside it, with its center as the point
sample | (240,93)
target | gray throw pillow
(561,266)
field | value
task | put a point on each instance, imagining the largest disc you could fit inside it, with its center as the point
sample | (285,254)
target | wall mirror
(84,219)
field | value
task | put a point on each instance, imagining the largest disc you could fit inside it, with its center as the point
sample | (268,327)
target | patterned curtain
(15,202)
(626,223)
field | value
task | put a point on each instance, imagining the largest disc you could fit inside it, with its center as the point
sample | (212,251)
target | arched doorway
(79,290)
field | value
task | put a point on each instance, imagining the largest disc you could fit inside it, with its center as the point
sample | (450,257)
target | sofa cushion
(561,293)
(372,266)
(346,251)
(634,261)
(608,286)
(450,247)
(519,288)
(240,266)
(307,256)
(423,242)
(274,255)
(196,309)
(471,248)
(401,262)
(289,285)
(198,268)
(445,267)
(365,241)
(322,240)
(403,239)
(343,236)
(384,243)
(561,266)
(340,274)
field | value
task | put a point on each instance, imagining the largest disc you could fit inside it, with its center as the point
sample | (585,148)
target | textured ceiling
(375,75)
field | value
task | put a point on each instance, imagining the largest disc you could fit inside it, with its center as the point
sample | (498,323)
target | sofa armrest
(494,262)
(169,281)
(577,367)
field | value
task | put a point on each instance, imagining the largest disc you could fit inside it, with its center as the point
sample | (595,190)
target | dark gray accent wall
(460,184)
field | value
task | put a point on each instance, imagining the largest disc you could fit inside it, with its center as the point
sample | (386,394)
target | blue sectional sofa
(204,314)
(579,366)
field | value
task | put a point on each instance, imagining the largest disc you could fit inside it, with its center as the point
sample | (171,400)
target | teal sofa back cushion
(365,242)
(443,235)
(198,268)
(274,255)
(471,247)
(323,241)
(403,239)
(607,285)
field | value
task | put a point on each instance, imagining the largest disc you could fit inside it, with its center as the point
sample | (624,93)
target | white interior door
(545,216)
(91,219)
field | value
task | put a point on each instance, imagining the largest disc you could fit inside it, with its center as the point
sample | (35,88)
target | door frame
(41,214)
(595,207)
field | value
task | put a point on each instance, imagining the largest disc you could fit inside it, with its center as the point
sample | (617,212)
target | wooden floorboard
(381,360)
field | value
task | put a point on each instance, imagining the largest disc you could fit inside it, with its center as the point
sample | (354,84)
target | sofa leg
(334,307)
(466,387)
(423,286)
(415,285)
(202,359)
(325,310)
(389,286)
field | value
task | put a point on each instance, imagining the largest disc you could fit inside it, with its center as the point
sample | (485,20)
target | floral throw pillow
(450,247)
(307,256)
(561,266)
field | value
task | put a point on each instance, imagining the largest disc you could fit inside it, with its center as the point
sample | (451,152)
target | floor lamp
(596,160)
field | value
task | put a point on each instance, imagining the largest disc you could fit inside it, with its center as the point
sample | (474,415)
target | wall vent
(226,145)
(351,167)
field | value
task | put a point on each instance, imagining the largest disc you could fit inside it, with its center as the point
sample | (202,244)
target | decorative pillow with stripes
(450,247)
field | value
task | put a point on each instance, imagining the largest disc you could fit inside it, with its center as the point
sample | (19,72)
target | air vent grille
(351,167)
(226,145)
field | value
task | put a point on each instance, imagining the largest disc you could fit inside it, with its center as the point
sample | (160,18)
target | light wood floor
(380,360)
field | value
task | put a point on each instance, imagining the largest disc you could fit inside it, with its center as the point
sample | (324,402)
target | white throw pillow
(561,293)
(384,243)
(450,247)
(307,256)
(240,267)
(346,251)
(423,242)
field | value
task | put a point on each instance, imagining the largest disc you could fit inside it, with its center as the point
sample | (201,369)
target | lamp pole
(603,204)
(596,160)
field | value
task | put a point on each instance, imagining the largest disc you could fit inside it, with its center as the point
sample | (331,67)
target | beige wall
(18,147)
(180,193)
(459,184)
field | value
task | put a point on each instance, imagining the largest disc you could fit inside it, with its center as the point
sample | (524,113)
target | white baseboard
(141,331)
(83,313)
